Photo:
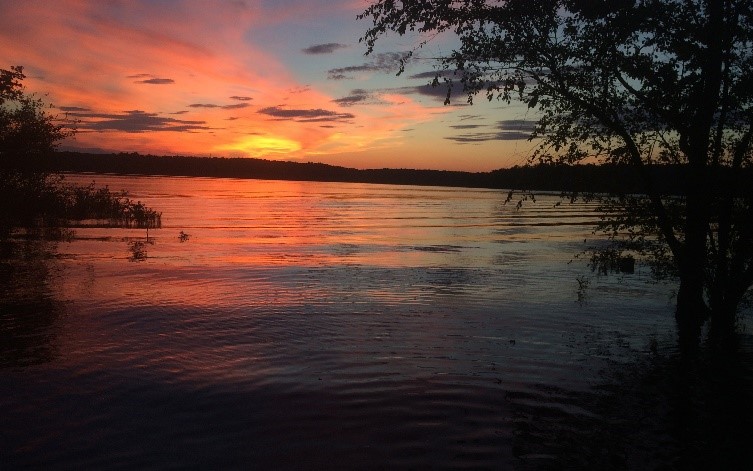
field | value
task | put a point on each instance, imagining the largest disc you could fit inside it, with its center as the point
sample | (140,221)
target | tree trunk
(690,312)
(722,333)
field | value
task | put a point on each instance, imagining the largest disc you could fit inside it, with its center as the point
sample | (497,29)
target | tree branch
(665,225)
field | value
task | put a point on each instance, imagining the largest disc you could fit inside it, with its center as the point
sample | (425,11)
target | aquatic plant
(138,250)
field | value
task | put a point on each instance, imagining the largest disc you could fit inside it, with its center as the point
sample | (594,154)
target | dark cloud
(73,108)
(514,136)
(472,138)
(351,100)
(490,136)
(439,92)
(136,121)
(507,130)
(327,119)
(372,97)
(305,116)
(150,79)
(433,74)
(156,81)
(328,48)
(384,62)
(467,126)
(358,95)
(234,106)
(517,125)
(241,98)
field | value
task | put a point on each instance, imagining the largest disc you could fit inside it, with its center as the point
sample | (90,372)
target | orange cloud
(187,79)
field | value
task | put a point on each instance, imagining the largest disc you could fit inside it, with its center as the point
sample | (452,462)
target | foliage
(26,130)
(34,200)
(639,82)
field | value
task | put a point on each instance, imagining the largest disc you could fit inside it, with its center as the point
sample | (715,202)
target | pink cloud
(193,59)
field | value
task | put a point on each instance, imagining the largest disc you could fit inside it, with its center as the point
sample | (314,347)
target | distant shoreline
(577,178)
(251,168)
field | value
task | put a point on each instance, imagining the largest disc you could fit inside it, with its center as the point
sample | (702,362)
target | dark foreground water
(327,325)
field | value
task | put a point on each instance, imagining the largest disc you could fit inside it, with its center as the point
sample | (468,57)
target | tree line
(584,179)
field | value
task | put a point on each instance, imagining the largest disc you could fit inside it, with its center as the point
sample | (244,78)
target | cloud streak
(360,96)
(327,48)
(305,115)
(489,136)
(352,99)
(506,130)
(384,63)
(234,106)
(433,74)
(72,108)
(136,121)
(150,79)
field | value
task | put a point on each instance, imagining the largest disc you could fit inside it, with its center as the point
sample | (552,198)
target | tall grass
(115,209)
(40,205)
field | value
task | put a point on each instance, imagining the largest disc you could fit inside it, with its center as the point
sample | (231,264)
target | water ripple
(318,325)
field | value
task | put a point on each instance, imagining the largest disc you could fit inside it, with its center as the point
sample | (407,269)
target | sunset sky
(274,79)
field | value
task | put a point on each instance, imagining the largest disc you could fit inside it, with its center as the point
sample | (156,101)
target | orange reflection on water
(270,242)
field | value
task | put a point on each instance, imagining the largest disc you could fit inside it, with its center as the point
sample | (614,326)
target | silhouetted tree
(27,133)
(31,197)
(641,82)
(26,130)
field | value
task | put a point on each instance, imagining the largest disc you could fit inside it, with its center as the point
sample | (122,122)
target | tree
(27,133)
(641,82)
(31,196)
(26,130)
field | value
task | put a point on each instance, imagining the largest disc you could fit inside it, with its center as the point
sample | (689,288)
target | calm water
(315,325)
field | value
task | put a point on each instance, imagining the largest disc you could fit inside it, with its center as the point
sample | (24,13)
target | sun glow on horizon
(253,146)
(143,77)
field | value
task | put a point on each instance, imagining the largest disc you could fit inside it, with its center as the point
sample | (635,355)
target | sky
(282,80)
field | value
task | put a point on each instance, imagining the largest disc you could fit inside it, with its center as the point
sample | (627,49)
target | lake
(322,325)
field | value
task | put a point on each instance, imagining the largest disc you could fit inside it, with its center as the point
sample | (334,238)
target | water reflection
(313,325)
(29,312)
(656,411)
